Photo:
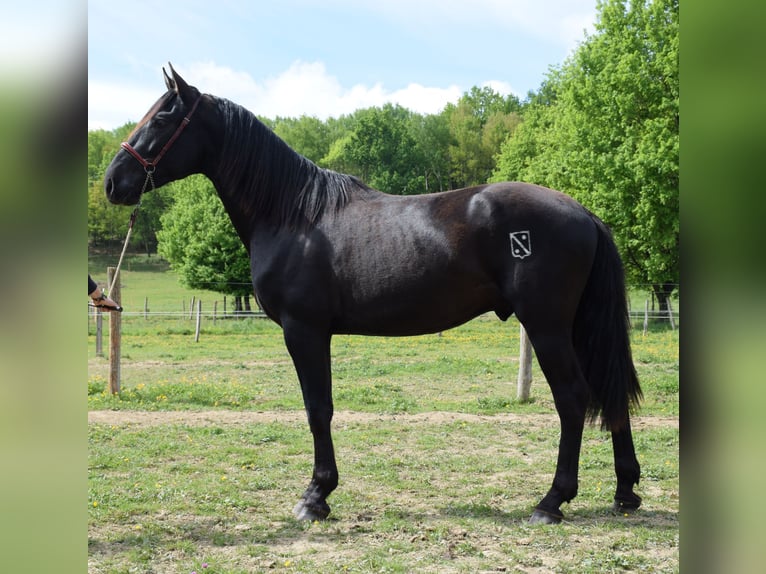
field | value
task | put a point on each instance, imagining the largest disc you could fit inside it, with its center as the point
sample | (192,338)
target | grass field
(196,465)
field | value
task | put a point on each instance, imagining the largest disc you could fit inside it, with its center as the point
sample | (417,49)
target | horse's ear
(179,84)
(168,81)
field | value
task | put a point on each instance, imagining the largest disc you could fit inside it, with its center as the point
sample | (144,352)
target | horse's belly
(417,311)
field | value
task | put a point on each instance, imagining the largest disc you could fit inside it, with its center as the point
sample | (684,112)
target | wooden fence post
(215,311)
(115,325)
(191,307)
(524,381)
(199,320)
(146,307)
(99,332)
(670,315)
(646,316)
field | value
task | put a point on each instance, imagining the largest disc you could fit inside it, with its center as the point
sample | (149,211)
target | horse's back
(408,265)
(425,263)
(393,265)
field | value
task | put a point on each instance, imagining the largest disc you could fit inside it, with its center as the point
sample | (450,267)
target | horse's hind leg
(627,469)
(558,361)
(310,351)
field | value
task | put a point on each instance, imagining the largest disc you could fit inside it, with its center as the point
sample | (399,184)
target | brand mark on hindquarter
(521,244)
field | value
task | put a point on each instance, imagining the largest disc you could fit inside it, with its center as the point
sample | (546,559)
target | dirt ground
(218,417)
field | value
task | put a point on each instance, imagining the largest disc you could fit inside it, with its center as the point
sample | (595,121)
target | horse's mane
(269,181)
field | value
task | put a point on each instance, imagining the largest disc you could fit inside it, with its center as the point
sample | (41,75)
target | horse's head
(164,147)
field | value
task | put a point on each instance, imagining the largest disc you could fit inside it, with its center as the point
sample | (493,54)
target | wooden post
(146,307)
(199,320)
(191,307)
(115,325)
(215,310)
(646,316)
(99,332)
(670,314)
(224,306)
(524,381)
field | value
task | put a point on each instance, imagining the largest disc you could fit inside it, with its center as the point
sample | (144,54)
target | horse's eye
(161,118)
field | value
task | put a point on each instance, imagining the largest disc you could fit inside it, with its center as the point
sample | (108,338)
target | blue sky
(324,57)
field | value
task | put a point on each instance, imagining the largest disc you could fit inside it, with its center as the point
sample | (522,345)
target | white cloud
(426,100)
(311,88)
(305,88)
(499,86)
(113,105)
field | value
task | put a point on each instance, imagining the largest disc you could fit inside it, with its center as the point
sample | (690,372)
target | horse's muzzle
(116,193)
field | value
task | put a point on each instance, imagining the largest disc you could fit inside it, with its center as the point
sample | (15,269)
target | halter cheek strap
(150,165)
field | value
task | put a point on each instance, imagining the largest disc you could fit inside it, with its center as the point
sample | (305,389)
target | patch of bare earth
(225,417)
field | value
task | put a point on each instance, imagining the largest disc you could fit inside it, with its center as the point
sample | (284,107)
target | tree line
(603,128)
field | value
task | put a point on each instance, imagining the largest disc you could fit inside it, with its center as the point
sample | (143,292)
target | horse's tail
(602,337)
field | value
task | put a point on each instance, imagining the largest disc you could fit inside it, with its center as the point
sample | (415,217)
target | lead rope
(149,180)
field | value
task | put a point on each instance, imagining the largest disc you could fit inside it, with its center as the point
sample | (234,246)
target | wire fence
(643,308)
(651,313)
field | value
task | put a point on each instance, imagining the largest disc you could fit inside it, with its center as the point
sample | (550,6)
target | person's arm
(99,299)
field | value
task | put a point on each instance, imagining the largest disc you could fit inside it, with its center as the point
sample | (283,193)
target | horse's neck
(248,150)
(255,171)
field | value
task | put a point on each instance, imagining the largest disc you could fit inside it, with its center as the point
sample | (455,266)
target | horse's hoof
(624,508)
(543,517)
(311,512)
(626,505)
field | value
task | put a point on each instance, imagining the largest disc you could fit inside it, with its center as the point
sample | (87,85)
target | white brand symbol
(521,244)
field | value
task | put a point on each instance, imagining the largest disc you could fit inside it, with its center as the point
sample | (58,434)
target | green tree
(108,223)
(609,135)
(199,241)
(466,159)
(432,137)
(486,102)
(307,135)
(527,155)
(381,150)
(498,128)
(479,123)
(337,157)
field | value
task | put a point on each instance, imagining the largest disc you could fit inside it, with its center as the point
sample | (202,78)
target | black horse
(330,255)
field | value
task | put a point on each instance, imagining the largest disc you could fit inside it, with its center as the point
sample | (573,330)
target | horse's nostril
(109,186)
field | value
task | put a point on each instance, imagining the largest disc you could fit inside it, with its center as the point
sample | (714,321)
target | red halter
(150,165)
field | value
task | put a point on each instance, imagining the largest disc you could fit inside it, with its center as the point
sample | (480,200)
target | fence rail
(653,314)
(636,317)
(649,313)
(195,312)
(260,314)
(186,315)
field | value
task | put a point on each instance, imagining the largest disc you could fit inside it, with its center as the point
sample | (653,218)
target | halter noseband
(150,165)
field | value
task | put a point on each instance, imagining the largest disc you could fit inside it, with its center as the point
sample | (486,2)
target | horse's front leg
(310,350)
